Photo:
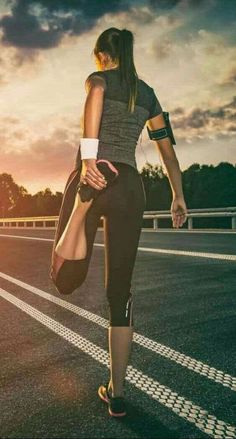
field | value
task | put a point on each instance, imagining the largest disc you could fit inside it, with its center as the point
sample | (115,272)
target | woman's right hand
(91,175)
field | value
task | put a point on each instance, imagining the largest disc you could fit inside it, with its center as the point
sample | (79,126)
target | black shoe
(116,404)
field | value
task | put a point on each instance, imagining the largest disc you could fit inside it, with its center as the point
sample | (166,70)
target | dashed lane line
(183,360)
(184,408)
(220,256)
(27,237)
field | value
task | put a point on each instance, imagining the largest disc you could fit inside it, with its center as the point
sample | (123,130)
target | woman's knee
(120,309)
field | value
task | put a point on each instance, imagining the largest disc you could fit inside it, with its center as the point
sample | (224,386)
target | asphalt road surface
(180,381)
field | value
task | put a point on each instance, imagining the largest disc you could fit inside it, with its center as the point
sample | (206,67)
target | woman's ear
(102,57)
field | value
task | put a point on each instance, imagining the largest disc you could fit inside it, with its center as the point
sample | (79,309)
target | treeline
(205,186)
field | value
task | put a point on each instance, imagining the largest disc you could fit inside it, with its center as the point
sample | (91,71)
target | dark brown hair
(119,45)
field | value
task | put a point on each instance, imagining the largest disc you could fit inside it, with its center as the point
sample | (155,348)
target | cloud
(41,24)
(34,160)
(163,4)
(182,4)
(55,128)
(205,123)
(22,29)
(161,48)
(18,64)
(231,104)
(230,77)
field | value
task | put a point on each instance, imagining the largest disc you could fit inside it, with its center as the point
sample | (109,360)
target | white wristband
(88,148)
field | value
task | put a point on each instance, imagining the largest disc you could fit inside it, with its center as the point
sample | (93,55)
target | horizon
(146,164)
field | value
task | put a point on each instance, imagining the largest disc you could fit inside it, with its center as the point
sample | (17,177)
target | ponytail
(127,68)
(119,45)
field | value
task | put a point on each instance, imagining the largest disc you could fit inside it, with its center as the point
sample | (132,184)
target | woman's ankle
(115,394)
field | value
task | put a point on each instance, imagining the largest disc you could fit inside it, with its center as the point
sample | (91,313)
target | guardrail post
(155,223)
(233,222)
(44,223)
(190,223)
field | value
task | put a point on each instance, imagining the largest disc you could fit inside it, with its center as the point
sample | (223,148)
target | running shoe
(116,404)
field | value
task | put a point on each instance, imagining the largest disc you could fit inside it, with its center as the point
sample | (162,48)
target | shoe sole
(103,398)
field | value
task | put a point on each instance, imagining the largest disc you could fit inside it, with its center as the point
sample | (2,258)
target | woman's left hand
(178,211)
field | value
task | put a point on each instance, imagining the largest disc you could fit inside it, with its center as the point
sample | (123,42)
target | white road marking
(221,256)
(27,237)
(183,360)
(193,413)
(186,231)
(186,253)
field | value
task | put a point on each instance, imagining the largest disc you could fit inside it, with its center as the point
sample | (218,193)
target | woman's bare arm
(165,147)
(93,109)
(168,156)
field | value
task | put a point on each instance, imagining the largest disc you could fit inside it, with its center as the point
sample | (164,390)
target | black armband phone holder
(161,133)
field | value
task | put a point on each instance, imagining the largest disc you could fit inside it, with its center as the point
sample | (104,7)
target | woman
(117,107)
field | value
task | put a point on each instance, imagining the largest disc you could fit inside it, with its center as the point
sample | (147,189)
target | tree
(10,194)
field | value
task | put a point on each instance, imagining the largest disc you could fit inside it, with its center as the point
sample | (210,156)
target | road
(180,381)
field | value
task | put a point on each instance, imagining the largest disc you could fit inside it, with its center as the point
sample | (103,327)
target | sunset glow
(186,53)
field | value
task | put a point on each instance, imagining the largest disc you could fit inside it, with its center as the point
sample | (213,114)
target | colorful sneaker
(116,404)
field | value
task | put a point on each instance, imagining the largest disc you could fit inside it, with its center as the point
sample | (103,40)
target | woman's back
(120,129)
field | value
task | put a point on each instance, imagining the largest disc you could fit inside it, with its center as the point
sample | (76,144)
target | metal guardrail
(151,214)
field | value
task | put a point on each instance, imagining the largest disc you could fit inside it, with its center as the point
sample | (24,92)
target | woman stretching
(117,107)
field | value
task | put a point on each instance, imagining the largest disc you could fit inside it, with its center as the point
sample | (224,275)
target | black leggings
(122,205)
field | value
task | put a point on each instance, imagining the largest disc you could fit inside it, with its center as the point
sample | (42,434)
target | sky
(184,49)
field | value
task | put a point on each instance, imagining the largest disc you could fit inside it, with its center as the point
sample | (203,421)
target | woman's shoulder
(145,86)
(150,98)
(96,73)
(96,77)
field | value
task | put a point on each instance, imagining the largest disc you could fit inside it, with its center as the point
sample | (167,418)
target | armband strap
(161,133)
